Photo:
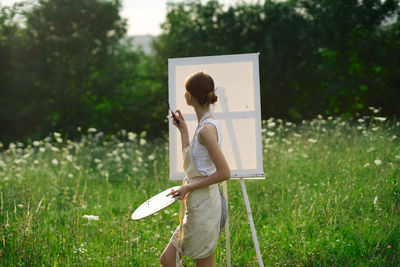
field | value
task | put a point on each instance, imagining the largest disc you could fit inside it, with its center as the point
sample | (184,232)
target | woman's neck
(200,111)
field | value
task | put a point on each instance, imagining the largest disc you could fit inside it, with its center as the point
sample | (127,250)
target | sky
(144,16)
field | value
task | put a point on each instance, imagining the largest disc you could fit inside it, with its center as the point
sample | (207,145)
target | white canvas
(236,78)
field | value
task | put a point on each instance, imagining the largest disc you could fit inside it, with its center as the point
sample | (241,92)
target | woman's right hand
(180,123)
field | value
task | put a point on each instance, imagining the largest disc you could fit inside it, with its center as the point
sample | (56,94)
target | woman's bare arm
(208,137)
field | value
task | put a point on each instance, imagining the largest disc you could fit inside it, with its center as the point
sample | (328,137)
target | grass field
(331,197)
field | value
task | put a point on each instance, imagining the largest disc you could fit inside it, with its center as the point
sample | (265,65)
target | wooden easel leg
(227,234)
(253,229)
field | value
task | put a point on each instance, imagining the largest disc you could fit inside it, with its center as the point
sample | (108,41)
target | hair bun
(211,97)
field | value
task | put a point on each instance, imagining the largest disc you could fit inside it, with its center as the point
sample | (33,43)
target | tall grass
(331,197)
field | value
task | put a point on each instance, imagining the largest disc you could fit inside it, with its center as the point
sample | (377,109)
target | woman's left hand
(181,192)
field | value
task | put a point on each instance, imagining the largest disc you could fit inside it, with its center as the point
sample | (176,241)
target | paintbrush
(173,113)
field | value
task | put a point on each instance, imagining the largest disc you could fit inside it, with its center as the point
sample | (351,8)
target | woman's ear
(188,96)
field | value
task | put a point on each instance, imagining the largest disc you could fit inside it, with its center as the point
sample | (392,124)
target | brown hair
(201,86)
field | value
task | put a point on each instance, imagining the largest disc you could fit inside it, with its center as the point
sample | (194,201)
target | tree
(316,56)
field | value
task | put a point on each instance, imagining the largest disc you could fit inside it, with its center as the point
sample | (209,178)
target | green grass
(331,197)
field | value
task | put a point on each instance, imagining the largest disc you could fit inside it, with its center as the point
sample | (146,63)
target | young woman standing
(205,166)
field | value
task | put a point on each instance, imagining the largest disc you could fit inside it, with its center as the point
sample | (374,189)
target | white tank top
(202,159)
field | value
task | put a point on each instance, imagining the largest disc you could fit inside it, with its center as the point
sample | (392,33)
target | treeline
(65,64)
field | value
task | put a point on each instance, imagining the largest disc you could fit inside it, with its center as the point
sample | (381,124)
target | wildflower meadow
(331,197)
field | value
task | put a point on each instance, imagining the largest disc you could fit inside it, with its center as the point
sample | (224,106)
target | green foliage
(331,197)
(316,57)
(68,67)
(69,64)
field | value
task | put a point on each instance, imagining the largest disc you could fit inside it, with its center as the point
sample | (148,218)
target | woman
(205,167)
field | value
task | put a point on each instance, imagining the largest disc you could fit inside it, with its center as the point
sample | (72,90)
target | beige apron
(197,235)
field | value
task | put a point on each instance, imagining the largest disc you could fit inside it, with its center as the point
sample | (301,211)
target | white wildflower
(131,136)
(81,249)
(55,149)
(42,149)
(271,124)
(92,130)
(79,128)
(330,118)
(36,162)
(290,150)
(151,157)
(312,140)
(359,128)
(375,200)
(20,161)
(36,143)
(375,129)
(97,161)
(377,162)
(69,158)
(376,110)
(397,156)
(123,132)
(2,164)
(12,146)
(270,134)
(59,140)
(124,155)
(297,135)
(361,120)
(91,217)
(263,130)
(288,123)
(70,175)
(121,145)
(135,169)
(77,167)
(143,141)
(304,155)
(380,119)
(366,165)
(20,206)
(54,162)
(56,134)
(394,136)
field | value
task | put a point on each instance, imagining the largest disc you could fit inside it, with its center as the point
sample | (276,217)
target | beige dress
(201,223)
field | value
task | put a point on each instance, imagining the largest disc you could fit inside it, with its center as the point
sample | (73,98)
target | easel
(249,214)
(239,73)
